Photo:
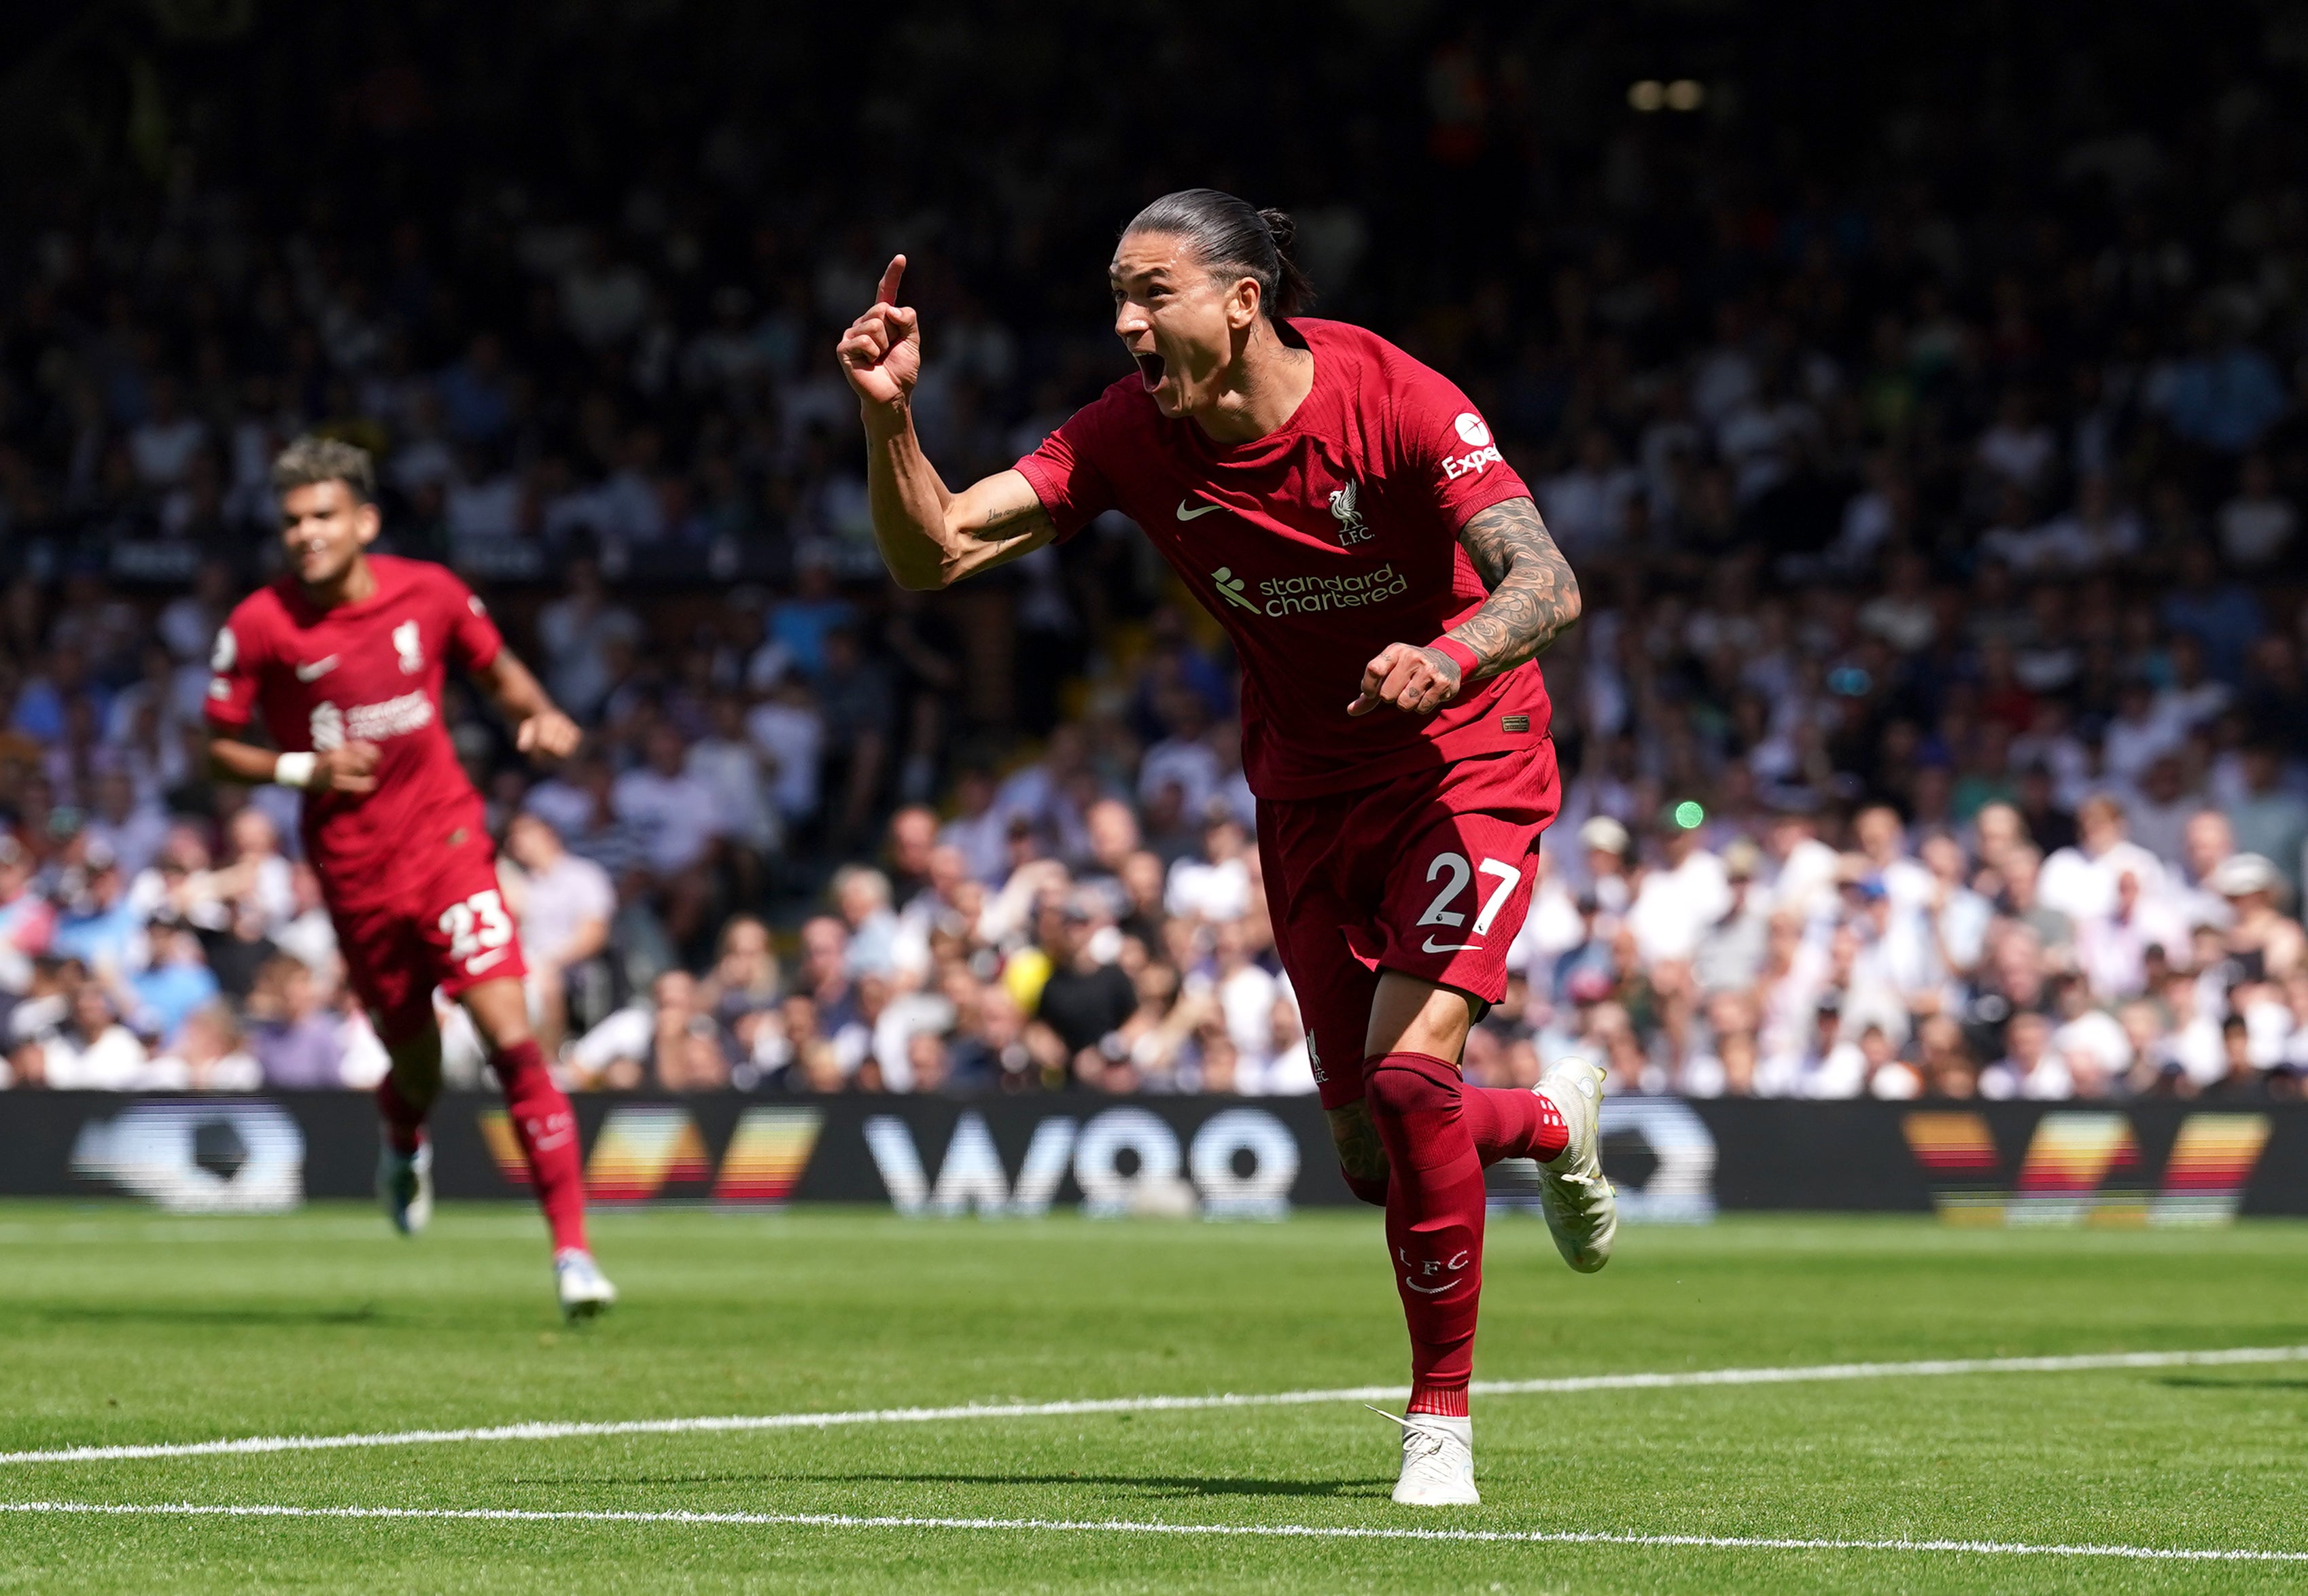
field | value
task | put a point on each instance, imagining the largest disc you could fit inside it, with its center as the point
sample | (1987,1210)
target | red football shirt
(371,672)
(1315,546)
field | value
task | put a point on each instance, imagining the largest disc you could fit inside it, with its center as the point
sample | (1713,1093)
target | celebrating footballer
(1387,582)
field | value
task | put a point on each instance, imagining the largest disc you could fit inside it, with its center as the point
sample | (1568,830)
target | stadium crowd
(1938,726)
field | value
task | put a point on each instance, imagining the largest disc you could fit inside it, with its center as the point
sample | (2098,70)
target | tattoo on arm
(1006,524)
(1534,597)
(1360,1151)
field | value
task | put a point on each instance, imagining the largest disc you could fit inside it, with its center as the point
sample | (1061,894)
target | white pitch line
(566,1429)
(1122,1526)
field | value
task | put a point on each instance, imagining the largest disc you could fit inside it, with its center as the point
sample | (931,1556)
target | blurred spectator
(92,1051)
(565,904)
(206,1056)
(291,1035)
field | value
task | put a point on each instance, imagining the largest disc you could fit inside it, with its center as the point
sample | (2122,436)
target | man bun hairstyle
(312,459)
(1233,238)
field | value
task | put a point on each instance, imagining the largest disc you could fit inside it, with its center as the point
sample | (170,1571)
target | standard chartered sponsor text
(1312,594)
(370,722)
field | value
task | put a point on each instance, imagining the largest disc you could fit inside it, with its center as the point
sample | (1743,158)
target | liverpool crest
(1352,527)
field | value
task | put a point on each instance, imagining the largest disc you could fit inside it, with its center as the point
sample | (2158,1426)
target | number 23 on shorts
(478,930)
(1454,870)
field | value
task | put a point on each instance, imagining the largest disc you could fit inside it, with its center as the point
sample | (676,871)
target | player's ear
(366,523)
(1242,304)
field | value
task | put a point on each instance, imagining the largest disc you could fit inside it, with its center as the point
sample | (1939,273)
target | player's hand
(551,734)
(1415,680)
(348,769)
(881,352)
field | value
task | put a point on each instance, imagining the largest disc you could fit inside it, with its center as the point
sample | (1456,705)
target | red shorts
(445,925)
(1429,873)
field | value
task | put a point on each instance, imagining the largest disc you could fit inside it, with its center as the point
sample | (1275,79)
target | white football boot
(584,1290)
(404,1185)
(1438,1461)
(1580,1208)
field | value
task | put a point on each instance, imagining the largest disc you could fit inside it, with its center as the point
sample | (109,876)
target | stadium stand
(1938,726)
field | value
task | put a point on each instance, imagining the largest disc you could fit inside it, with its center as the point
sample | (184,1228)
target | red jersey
(1315,546)
(362,672)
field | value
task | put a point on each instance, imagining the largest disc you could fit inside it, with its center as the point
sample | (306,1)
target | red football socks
(1435,1205)
(404,1123)
(546,1127)
(1512,1124)
(1505,1123)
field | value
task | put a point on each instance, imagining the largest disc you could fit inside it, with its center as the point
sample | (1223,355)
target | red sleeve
(1065,472)
(1437,437)
(233,664)
(474,640)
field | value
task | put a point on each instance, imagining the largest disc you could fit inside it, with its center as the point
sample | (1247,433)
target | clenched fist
(1415,680)
(881,352)
(549,733)
(349,769)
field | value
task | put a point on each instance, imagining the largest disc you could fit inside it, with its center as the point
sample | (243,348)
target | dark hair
(1230,237)
(312,459)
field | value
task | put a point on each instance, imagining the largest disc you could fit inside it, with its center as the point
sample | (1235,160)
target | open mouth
(1149,370)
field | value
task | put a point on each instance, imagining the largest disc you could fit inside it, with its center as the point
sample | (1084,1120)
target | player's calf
(1362,1156)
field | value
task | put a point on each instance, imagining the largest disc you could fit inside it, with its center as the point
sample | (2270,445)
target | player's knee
(1397,1091)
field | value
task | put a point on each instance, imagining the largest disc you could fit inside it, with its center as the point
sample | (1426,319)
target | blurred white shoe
(404,1185)
(1582,1211)
(584,1290)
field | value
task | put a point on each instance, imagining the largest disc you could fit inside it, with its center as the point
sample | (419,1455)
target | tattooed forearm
(1360,1151)
(1534,597)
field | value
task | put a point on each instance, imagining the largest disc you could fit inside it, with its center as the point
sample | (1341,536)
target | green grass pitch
(119,1326)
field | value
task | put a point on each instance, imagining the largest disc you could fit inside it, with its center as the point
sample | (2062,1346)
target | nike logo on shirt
(1185,514)
(482,961)
(1432,946)
(316,670)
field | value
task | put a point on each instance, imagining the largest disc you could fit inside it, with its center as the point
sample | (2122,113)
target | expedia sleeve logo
(1481,453)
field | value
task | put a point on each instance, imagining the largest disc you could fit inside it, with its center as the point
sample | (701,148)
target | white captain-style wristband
(294,769)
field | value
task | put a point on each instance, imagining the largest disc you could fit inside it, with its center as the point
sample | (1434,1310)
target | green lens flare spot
(1689,816)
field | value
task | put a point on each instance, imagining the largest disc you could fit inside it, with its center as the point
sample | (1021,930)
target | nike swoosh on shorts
(316,670)
(1432,946)
(1185,514)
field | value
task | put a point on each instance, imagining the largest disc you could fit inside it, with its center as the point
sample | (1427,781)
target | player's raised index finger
(887,294)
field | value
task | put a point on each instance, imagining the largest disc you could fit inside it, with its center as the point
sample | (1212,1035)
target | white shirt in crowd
(1246,1001)
(1199,889)
(740,799)
(1804,884)
(113,1060)
(792,736)
(677,817)
(1674,907)
(2083,887)
(563,899)
(1184,762)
